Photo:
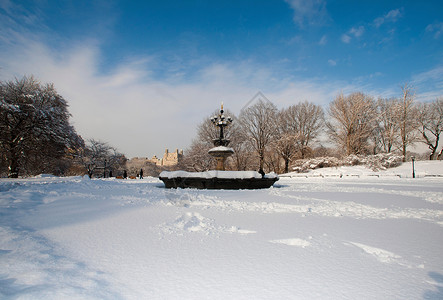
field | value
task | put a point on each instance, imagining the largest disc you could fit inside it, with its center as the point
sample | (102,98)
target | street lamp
(413,167)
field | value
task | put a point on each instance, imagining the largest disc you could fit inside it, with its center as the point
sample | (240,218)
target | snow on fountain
(219,179)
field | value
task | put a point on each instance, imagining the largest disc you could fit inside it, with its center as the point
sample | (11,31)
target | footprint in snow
(195,222)
(235,229)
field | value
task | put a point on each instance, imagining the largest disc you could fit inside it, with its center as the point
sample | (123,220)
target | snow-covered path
(306,238)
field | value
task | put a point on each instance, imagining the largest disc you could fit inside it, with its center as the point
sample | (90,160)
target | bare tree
(98,156)
(134,165)
(430,119)
(284,142)
(305,120)
(388,125)
(273,161)
(259,124)
(197,158)
(407,118)
(285,146)
(298,125)
(351,121)
(243,157)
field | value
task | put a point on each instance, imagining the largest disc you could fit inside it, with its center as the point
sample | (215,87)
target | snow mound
(45,176)
(194,222)
(235,229)
(191,222)
(303,165)
(381,255)
(292,242)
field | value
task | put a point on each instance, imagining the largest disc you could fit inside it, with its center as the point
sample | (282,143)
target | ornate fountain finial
(221,121)
(221,152)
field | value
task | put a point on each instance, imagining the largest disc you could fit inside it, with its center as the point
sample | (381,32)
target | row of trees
(36,136)
(266,138)
(359,124)
(262,137)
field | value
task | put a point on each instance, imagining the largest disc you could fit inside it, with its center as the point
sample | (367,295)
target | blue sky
(142,74)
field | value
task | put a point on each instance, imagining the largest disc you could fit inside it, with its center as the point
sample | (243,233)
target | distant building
(169,159)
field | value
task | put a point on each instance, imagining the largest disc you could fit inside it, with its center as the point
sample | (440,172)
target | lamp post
(413,166)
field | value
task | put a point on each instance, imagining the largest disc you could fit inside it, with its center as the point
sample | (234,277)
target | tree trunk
(431,156)
(303,152)
(13,168)
(348,145)
(433,151)
(286,165)
(434,148)
(404,152)
(262,162)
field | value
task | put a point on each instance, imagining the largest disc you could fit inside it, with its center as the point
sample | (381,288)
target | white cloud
(332,62)
(436,29)
(345,38)
(429,84)
(323,41)
(139,114)
(315,91)
(392,16)
(310,12)
(357,31)
(353,32)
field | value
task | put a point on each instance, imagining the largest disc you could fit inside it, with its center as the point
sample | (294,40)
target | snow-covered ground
(350,237)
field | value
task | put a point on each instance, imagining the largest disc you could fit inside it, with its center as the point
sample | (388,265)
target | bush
(304,165)
(376,162)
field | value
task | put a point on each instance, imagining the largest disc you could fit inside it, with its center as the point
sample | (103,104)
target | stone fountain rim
(217,180)
(217,174)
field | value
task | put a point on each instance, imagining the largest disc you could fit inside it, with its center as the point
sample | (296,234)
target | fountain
(219,178)
(220,152)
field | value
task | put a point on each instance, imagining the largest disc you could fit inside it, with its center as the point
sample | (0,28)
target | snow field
(315,238)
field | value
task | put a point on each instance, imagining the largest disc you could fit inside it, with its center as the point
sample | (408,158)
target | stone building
(169,159)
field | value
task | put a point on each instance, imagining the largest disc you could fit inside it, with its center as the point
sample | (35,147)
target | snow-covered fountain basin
(228,180)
